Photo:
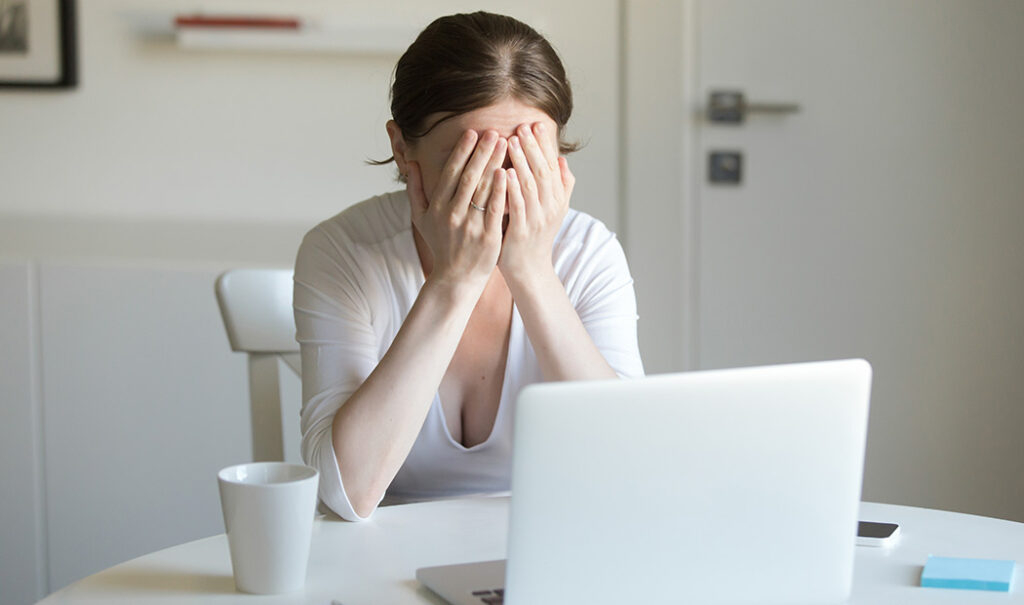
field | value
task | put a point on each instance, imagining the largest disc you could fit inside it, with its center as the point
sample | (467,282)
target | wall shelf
(350,41)
(272,33)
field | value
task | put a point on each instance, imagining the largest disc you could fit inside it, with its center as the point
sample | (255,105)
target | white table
(376,561)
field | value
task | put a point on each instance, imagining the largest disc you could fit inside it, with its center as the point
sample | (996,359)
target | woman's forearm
(565,351)
(375,429)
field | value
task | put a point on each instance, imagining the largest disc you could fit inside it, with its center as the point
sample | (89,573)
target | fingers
(547,140)
(414,186)
(516,203)
(530,138)
(535,158)
(568,178)
(452,170)
(469,180)
(526,184)
(496,201)
(482,194)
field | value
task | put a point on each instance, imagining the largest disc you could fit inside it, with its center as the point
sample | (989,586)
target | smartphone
(871,533)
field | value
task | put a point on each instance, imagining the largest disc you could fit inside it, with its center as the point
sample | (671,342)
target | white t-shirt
(356,278)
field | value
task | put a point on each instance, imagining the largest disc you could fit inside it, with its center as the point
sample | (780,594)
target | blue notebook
(974,574)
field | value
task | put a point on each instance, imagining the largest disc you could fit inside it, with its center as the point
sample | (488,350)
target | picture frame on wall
(38,44)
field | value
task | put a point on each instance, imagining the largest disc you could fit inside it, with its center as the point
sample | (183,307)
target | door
(884,220)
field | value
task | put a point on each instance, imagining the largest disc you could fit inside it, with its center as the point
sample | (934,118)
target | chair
(256,305)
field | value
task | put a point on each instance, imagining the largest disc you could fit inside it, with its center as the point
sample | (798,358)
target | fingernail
(489,136)
(539,127)
(513,142)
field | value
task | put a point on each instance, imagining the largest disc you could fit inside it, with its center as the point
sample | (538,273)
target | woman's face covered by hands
(432,152)
(487,189)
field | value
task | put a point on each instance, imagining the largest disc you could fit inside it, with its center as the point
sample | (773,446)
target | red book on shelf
(237,21)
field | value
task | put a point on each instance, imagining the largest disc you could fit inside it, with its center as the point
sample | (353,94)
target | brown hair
(468,61)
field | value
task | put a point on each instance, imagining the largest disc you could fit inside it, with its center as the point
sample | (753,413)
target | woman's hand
(464,241)
(539,187)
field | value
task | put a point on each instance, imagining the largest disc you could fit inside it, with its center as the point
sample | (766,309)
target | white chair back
(256,305)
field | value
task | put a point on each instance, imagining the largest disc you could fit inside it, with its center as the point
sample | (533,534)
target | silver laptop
(729,486)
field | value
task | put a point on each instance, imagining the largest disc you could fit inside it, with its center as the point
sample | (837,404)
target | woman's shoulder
(372,220)
(586,248)
(344,255)
(580,229)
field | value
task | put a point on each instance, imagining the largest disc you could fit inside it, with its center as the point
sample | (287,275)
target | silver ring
(475,207)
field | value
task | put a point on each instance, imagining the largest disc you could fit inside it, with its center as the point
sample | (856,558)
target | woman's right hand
(464,242)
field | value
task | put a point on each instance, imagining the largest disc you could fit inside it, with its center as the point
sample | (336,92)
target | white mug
(268,515)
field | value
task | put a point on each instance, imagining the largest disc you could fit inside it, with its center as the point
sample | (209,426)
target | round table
(376,561)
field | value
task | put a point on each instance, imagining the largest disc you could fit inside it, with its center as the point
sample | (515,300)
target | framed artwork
(37,44)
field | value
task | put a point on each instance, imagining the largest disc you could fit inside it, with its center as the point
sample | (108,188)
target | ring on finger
(475,207)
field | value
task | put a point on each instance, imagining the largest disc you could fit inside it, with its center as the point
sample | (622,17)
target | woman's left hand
(539,187)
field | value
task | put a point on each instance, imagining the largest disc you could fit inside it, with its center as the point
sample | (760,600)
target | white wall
(140,410)
(22,545)
(155,132)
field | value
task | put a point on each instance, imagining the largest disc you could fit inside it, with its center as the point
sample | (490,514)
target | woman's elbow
(363,507)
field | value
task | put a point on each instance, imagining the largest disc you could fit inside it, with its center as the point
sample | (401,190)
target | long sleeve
(591,264)
(333,321)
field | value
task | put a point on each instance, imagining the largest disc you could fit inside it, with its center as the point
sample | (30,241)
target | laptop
(729,486)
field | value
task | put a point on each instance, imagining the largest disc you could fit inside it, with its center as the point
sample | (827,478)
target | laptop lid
(730,486)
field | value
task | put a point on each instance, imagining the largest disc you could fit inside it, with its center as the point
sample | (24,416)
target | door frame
(659,210)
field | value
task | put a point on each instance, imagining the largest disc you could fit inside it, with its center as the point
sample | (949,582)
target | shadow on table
(169,581)
(424,592)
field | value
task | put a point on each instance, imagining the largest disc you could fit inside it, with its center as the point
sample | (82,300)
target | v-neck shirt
(357,276)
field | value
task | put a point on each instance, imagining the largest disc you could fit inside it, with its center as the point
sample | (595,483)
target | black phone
(873,533)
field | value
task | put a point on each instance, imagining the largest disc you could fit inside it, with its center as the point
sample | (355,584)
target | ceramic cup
(268,515)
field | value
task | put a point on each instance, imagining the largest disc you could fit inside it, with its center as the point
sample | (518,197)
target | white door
(884,220)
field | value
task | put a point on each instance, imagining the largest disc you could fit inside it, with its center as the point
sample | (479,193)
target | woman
(422,313)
